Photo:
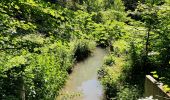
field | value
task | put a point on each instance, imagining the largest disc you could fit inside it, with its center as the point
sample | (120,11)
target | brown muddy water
(83,83)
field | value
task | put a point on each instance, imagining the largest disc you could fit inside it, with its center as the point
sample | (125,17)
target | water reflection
(83,83)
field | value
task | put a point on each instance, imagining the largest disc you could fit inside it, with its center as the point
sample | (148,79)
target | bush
(38,76)
(82,48)
(109,60)
(128,93)
(114,75)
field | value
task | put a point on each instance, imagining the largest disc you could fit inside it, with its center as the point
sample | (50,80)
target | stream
(83,83)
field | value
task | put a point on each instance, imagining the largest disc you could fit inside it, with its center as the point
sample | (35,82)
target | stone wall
(153,88)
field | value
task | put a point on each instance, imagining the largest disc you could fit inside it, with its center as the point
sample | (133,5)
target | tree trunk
(147,42)
(22,90)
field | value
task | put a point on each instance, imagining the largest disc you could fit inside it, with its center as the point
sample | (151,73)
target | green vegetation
(37,51)
(143,49)
(40,40)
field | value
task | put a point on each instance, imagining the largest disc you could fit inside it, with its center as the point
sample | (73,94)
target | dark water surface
(83,83)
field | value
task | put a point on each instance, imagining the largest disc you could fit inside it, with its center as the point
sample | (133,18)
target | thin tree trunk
(22,91)
(147,42)
(146,63)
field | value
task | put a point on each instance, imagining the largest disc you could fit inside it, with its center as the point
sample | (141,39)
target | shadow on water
(83,83)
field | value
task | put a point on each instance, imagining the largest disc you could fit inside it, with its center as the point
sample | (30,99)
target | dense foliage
(143,49)
(40,40)
(37,48)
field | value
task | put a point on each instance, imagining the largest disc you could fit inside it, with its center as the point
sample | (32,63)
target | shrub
(128,93)
(114,79)
(82,48)
(109,60)
(38,76)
